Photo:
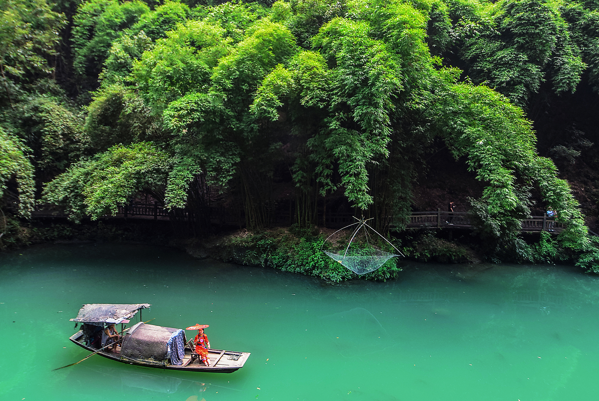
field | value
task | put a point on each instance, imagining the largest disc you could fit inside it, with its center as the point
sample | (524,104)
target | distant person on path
(450,208)
(551,214)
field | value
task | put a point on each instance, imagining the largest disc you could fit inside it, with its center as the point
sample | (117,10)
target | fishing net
(356,249)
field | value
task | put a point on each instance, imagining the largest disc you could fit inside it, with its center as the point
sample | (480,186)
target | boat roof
(107,313)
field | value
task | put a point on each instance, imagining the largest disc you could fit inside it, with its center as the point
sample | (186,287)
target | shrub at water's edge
(301,251)
(286,251)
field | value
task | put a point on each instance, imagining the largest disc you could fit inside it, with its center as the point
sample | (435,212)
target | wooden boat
(146,344)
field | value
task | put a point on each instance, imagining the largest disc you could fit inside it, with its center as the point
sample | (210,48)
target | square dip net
(359,253)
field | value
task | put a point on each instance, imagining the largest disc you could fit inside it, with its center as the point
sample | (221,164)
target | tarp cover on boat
(148,343)
(107,313)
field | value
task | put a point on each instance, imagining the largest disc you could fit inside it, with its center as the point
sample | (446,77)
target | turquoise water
(505,332)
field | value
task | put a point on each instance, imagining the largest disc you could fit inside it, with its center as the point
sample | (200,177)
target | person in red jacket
(202,346)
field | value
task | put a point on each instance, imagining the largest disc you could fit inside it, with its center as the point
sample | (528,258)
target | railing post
(544,222)
(438,218)
(155,211)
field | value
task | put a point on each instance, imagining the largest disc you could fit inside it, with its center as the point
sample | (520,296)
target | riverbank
(289,249)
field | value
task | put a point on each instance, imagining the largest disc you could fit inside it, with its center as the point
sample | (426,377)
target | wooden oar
(94,353)
(89,356)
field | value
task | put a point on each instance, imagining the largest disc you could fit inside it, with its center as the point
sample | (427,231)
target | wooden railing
(221,216)
(139,209)
(214,214)
(440,219)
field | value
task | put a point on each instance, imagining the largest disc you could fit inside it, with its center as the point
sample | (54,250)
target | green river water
(493,332)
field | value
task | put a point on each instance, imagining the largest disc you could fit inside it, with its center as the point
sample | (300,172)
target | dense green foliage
(96,186)
(34,121)
(516,45)
(29,32)
(347,97)
(14,163)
